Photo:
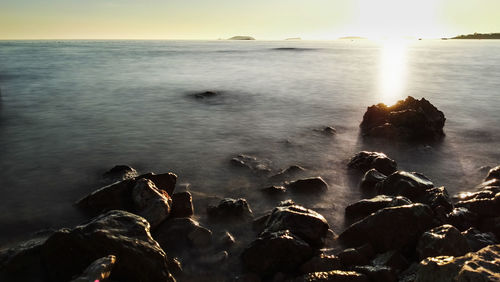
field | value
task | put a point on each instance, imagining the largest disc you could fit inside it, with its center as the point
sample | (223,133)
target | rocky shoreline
(144,228)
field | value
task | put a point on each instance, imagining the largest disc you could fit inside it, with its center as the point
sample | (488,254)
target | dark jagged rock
(377,273)
(462,218)
(494,173)
(478,240)
(120,173)
(205,95)
(291,171)
(436,197)
(182,205)
(182,234)
(307,224)
(393,259)
(150,203)
(364,161)
(274,190)
(308,185)
(333,276)
(490,224)
(352,256)
(321,263)
(252,164)
(259,224)
(68,252)
(390,228)
(365,207)
(99,270)
(444,240)
(483,207)
(371,178)
(483,265)
(412,185)
(486,193)
(230,209)
(275,252)
(227,239)
(409,119)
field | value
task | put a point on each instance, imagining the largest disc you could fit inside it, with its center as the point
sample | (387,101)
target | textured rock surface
(483,207)
(371,178)
(478,240)
(182,205)
(365,207)
(150,203)
(408,184)
(364,161)
(119,173)
(445,240)
(99,270)
(231,209)
(333,276)
(177,235)
(321,263)
(494,173)
(308,185)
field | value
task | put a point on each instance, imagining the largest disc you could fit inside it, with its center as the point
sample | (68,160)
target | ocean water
(70,110)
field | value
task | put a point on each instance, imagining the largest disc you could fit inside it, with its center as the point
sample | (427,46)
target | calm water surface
(70,110)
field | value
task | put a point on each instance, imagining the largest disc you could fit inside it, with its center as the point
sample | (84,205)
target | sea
(71,110)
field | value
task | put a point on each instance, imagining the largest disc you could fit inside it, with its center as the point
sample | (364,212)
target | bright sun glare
(392,70)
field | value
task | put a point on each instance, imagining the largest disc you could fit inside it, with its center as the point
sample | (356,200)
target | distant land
(351,37)
(294,38)
(478,36)
(241,37)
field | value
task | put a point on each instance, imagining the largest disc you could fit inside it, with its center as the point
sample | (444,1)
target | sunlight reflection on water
(392,70)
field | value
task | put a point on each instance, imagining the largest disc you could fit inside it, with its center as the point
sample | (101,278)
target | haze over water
(70,110)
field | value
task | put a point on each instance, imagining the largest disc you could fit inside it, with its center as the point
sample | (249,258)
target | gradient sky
(263,19)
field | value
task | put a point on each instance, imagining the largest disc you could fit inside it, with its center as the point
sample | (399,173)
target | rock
(444,240)
(462,218)
(321,263)
(483,265)
(274,190)
(182,205)
(308,185)
(393,259)
(494,173)
(214,259)
(352,256)
(436,197)
(377,273)
(291,171)
(205,95)
(487,193)
(478,240)
(410,119)
(488,184)
(69,251)
(274,252)
(490,224)
(119,173)
(329,130)
(227,239)
(390,228)
(241,37)
(259,224)
(483,207)
(98,270)
(182,234)
(365,207)
(151,203)
(409,274)
(333,276)
(230,209)
(252,163)
(412,185)
(307,224)
(371,178)
(364,161)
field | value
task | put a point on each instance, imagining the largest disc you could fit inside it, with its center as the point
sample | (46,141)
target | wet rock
(478,240)
(252,163)
(483,265)
(99,270)
(308,185)
(333,276)
(445,240)
(488,184)
(151,203)
(409,274)
(494,173)
(275,252)
(274,190)
(377,273)
(177,235)
(412,185)
(291,171)
(205,95)
(329,130)
(227,239)
(321,263)
(213,259)
(389,228)
(182,205)
(409,119)
(393,259)
(437,198)
(462,218)
(307,224)
(69,251)
(259,224)
(490,224)
(230,209)
(119,173)
(364,161)
(352,256)
(487,193)
(365,207)
(371,178)
(483,207)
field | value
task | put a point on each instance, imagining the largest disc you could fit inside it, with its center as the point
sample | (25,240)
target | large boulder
(308,185)
(390,228)
(150,202)
(230,209)
(68,252)
(483,265)
(365,207)
(307,224)
(444,240)
(412,185)
(178,235)
(276,252)
(364,161)
(408,119)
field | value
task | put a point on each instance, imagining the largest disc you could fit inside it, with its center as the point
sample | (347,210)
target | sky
(262,19)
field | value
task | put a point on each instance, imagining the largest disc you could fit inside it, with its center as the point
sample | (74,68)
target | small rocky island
(241,37)
(479,36)
(142,227)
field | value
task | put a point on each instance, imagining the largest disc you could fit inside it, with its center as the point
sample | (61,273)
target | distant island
(294,38)
(241,37)
(478,36)
(351,38)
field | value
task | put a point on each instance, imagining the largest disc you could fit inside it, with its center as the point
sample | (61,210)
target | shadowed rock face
(408,119)
(230,209)
(334,275)
(365,207)
(444,240)
(364,161)
(308,185)
(408,184)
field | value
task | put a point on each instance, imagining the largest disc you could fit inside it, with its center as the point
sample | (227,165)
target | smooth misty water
(71,110)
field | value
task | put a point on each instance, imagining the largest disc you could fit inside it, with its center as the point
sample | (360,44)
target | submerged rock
(231,209)
(251,163)
(371,178)
(205,95)
(274,190)
(97,271)
(364,161)
(69,251)
(177,235)
(409,119)
(308,185)
(120,173)
(291,171)
(444,240)
(365,207)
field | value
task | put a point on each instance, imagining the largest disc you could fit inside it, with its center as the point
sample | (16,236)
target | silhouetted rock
(275,252)
(352,256)
(177,235)
(321,263)
(494,173)
(435,198)
(490,224)
(444,240)
(227,239)
(230,209)
(182,205)
(483,265)
(241,37)
(371,178)
(478,240)
(365,207)
(390,228)
(69,251)
(307,224)
(462,218)
(408,119)
(393,259)
(252,163)
(274,190)
(119,173)
(408,184)
(97,271)
(291,171)
(364,161)
(483,207)
(308,185)
(333,276)
(151,203)
(377,273)
(205,95)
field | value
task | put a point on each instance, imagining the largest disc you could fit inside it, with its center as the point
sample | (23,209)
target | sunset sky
(262,19)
